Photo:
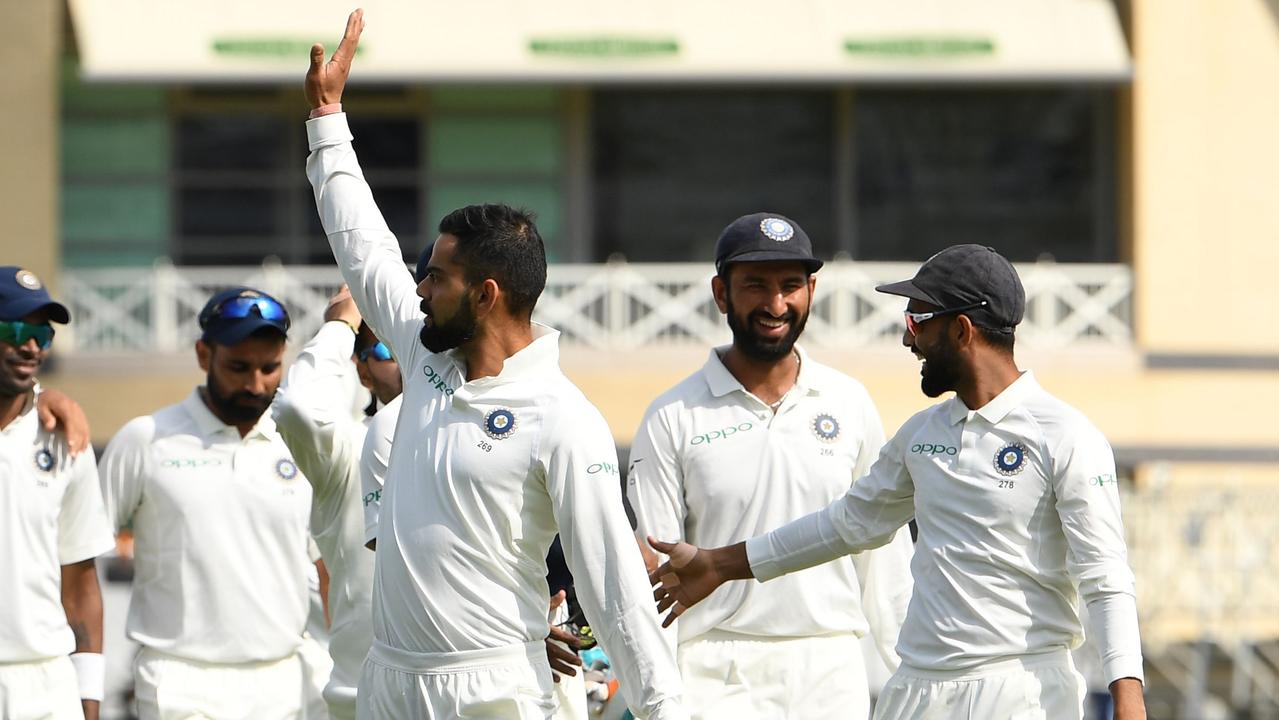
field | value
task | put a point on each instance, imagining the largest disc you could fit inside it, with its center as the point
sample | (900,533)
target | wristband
(323,110)
(353,328)
(91,673)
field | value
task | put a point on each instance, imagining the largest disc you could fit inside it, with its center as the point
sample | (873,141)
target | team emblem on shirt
(1010,459)
(776,229)
(826,428)
(285,468)
(499,424)
(44,460)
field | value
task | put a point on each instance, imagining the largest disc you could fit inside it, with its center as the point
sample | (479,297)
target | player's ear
(719,288)
(489,292)
(204,354)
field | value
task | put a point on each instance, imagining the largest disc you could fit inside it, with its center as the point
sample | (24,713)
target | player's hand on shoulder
(342,308)
(58,412)
(326,81)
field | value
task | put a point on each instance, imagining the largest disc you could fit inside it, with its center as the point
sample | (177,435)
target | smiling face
(19,364)
(767,305)
(931,343)
(446,299)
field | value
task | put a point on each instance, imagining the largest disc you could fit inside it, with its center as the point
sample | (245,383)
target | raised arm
(367,252)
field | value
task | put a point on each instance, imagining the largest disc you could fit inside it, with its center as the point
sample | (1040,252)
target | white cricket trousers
(728,676)
(507,683)
(40,690)
(1038,687)
(173,688)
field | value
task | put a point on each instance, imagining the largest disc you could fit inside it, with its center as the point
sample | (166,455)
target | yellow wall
(1206,155)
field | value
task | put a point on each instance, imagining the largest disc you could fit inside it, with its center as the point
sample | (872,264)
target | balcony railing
(615,306)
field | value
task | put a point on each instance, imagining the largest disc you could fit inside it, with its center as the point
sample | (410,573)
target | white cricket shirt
(1016,504)
(312,413)
(374,460)
(484,473)
(51,515)
(713,465)
(221,534)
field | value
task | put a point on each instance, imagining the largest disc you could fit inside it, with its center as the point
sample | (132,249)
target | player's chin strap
(91,672)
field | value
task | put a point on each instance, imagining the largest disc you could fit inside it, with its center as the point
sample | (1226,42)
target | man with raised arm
(495,450)
(1014,494)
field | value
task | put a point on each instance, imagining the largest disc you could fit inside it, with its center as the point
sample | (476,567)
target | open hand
(685,579)
(325,81)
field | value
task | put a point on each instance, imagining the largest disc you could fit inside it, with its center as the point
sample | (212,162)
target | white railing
(612,306)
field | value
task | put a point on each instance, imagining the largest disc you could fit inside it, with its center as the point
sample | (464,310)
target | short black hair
(997,339)
(500,242)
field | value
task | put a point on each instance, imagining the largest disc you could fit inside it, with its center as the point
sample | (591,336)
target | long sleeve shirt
(484,472)
(1017,504)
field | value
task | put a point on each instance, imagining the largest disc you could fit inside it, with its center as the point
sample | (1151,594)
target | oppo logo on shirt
(721,434)
(375,496)
(436,380)
(606,468)
(188,463)
(931,449)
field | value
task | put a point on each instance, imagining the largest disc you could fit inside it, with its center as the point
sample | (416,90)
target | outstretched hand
(685,579)
(325,81)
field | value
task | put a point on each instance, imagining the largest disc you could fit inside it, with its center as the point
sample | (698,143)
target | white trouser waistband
(452,662)
(1059,658)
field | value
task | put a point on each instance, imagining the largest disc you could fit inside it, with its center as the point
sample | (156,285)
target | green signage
(605,46)
(920,47)
(270,47)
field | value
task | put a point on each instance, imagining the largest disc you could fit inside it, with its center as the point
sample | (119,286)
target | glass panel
(115,146)
(464,144)
(673,168)
(232,142)
(97,211)
(1028,172)
(386,143)
(220,212)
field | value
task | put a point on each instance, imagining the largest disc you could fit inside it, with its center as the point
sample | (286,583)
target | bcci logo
(44,460)
(826,428)
(1010,459)
(285,468)
(499,424)
(776,229)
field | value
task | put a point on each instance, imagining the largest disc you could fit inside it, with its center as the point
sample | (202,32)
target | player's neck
(768,380)
(11,406)
(494,342)
(987,378)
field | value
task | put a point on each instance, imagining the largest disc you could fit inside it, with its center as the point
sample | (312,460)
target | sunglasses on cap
(913,319)
(17,333)
(243,306)
(377,351)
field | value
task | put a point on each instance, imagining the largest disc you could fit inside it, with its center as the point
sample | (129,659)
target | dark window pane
(1028,172)
(400,206)
(221,212)
(674,167)
(386,143)
(232,142)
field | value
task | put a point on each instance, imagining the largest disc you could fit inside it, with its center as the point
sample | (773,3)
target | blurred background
(1125,154)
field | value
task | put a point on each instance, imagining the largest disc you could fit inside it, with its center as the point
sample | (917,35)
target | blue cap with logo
(765,237)
(22,293)
(232,315)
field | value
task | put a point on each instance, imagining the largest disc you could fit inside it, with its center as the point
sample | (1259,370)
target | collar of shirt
(530,362)
(999,406)
(210,425)
(722,382)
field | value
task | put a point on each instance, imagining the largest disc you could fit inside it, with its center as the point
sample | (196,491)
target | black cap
(964,275)
(232,315)
(764,237)
(22,293)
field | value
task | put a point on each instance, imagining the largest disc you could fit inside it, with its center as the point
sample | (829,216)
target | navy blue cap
(422,260)
(764,237)
(232,315)
(963,275)
(22,293)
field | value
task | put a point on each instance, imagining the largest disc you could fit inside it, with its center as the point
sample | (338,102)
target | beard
(940,373)
(237,407)
(460,328)
(757,347)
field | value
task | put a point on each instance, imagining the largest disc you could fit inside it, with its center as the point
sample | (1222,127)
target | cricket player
(220,517)
(495,450)
(1014,494)
(313,413)
(761,435)
(52,527)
